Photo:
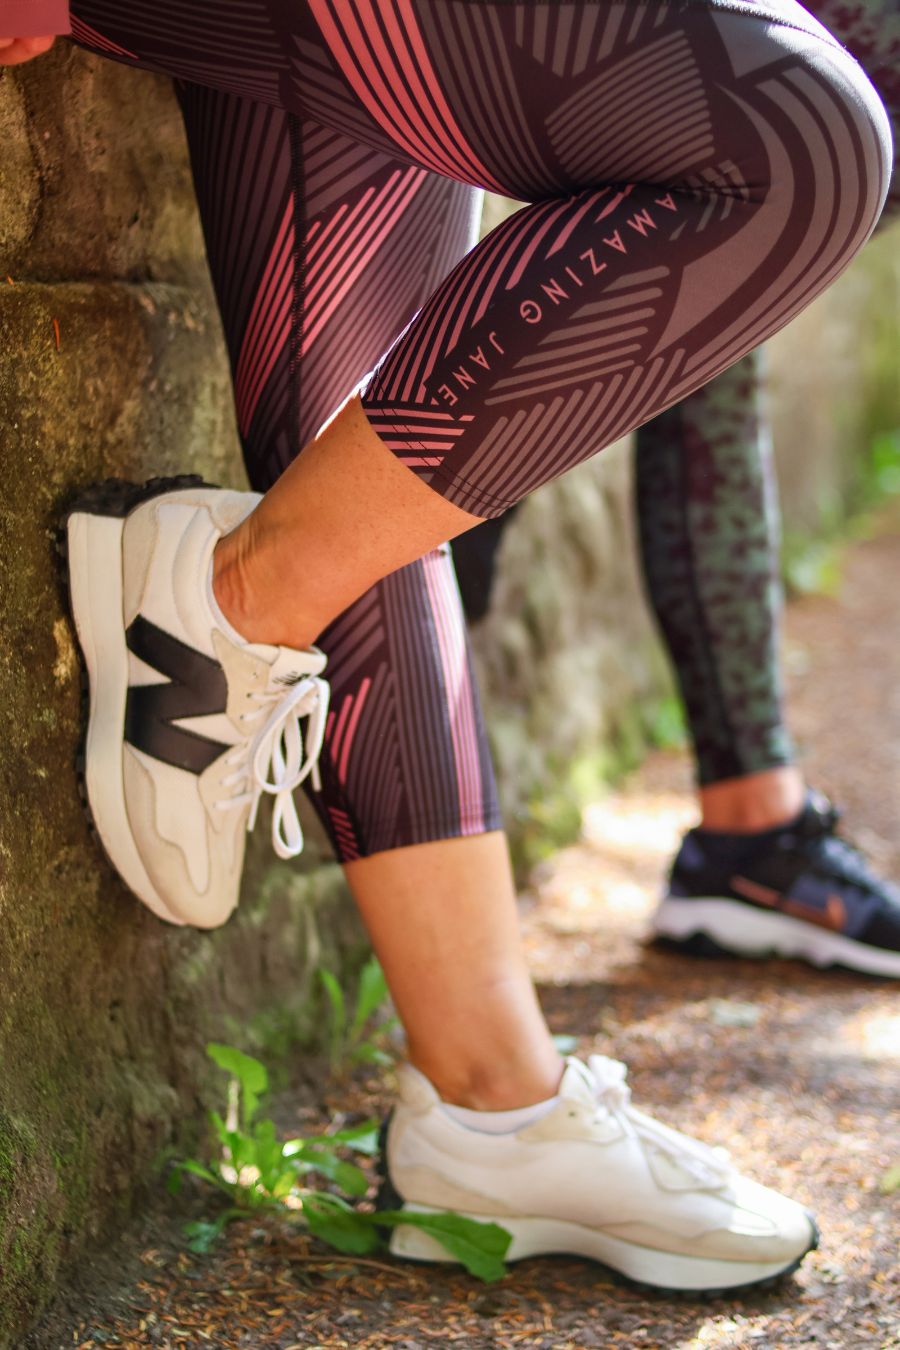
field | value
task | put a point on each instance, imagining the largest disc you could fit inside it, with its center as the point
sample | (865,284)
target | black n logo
(197,687)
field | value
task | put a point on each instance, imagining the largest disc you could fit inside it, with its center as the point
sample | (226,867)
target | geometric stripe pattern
(693,151)
(705,489)
(321,253)
(731,144)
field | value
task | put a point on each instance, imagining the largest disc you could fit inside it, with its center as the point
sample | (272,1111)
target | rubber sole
(716,926)
(91,546)
(667,1272)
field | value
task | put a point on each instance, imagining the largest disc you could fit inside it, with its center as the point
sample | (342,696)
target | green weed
(363,1036)
(259,1173)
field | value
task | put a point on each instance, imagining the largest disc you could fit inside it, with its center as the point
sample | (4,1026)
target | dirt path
(796,1071)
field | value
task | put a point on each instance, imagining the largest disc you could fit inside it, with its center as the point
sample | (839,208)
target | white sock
(499,1122)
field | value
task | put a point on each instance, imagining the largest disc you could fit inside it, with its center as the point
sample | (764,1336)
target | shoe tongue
(578,1083)
(286,665)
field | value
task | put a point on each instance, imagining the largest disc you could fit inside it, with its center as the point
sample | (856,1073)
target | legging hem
(721,772)
(384,838)
(465,493)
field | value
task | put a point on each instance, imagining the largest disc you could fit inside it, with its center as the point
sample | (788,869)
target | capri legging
(697,172)
(707,508)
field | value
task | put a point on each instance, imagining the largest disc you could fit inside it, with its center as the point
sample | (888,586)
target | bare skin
(342,516)
(442,915)
(443,922)
(13,51)
(349,501)
(754,802)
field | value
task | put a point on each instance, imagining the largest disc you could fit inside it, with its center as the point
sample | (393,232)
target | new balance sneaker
(189,725)
(798,891)
(594,1177)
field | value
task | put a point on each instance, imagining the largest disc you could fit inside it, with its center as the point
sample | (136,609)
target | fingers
(13,51)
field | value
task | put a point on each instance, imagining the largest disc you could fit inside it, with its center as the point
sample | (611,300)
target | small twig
(357,1261)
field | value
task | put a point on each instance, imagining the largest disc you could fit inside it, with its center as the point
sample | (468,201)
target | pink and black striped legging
(697,171)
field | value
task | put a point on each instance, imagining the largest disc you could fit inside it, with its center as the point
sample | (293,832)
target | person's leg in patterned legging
(337,248)
(709,532)
(765,872)
(567,326)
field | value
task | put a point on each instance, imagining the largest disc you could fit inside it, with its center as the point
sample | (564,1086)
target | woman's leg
(411,813)
(336,249)
(708,523)
(753,158)
(709,531)
(443,921)
(620,1186)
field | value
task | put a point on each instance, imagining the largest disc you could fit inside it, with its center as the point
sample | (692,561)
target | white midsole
(536,1237)
(741,928)
(95,587)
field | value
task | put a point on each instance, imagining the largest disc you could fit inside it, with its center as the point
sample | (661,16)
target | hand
(13,51)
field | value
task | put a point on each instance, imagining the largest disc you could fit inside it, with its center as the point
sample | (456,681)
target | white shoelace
(277,747)
(707,1165)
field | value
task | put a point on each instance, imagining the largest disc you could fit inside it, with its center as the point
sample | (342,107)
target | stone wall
(111,362)
(104,1011)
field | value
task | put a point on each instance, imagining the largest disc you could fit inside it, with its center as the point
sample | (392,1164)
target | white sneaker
(187,721)
(596,1178)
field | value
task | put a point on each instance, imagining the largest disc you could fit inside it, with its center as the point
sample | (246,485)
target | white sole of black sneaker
(746,931)
(94,549)
(544,1237)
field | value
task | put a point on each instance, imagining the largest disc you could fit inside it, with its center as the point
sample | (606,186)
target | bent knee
(823,131)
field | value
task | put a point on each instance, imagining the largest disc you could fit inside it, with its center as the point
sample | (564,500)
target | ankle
(247,583)
(230,585)
(753,803)
(493,1085)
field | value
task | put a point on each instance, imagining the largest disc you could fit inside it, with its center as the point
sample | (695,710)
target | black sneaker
(797,891)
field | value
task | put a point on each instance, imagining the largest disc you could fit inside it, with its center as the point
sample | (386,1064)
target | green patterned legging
(708,510)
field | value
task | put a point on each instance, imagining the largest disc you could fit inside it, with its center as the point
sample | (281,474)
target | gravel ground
(795,1070)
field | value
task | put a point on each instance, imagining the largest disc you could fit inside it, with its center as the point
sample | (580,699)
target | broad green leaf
(291,1147)
(197,1169)
(480,1247)
(241,1150)
(335,1222)
(343,1174)
(264,1130)
(251,1075)
(363,1137)
(371,993)
(270,1159)
(284,1184)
